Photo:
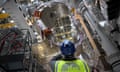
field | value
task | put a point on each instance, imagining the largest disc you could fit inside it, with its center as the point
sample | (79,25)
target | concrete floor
(43,52)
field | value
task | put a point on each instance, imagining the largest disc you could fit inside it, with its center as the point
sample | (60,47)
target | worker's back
(66,61)
(71,66)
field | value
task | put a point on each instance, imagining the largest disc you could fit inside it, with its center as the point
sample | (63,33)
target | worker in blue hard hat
(66,61)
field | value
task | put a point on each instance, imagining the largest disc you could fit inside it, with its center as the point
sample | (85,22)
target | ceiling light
(61,27)
(12,21)
(63,36)
(52,29)
(102,23)
(35,33)
(3,11)
(32,0)
(72,25)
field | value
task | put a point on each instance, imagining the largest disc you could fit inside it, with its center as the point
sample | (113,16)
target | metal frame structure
(15,50)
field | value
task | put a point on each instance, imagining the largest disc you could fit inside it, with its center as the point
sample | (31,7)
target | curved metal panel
(52,13)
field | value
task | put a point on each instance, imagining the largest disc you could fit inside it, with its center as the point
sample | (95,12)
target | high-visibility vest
(71,66)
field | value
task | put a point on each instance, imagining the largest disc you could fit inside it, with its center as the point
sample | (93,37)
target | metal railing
(15,49)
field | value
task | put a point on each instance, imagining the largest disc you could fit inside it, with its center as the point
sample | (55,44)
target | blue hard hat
(67,48)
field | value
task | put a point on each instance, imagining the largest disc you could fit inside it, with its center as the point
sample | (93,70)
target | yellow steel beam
(4,15)
(92,42)
(7,25)
(78,16)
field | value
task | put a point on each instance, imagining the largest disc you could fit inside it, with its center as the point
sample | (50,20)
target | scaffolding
(15,50)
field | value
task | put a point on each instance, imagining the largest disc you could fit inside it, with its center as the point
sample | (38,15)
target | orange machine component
(47,31)
(37,13)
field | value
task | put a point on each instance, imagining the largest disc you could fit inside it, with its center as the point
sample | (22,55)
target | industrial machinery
(57,17)
(97,48)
